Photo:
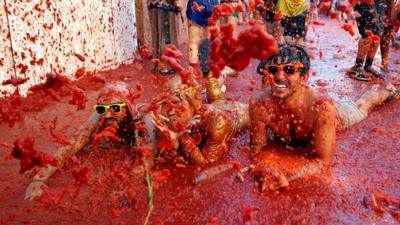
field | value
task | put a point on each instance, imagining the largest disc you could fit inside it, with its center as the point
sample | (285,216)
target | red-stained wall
(41,36)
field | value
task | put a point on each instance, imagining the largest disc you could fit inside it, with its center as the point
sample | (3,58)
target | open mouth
(165,118)
(281,86)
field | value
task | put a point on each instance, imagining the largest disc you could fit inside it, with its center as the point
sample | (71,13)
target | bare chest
(290,128)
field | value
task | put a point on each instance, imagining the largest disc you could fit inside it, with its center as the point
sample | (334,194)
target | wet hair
(287,54)
(118,90)
(115,87)
(127,129)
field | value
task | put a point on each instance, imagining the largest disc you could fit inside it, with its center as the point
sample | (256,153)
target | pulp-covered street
(365,163)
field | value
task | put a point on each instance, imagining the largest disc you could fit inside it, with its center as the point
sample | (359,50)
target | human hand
(156,120)
(35,189)
(161,126)
(270,178)
(194,121)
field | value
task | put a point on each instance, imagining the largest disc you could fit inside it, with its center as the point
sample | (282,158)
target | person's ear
(305,77)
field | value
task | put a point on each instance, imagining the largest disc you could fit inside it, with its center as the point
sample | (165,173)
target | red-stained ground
(366,160)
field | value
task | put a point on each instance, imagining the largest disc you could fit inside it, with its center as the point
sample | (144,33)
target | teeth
(281,86)
(165,118)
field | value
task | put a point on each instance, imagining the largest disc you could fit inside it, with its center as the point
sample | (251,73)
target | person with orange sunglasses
(115,118)
(297,114)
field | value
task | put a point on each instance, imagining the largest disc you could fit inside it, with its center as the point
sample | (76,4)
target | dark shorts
(294,26)
(269,16)
(200,18)
(368,20)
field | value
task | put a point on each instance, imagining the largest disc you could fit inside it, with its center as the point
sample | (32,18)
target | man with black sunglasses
(115,118)
(297,115)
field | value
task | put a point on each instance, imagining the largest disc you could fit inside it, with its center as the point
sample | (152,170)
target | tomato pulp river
(366,160)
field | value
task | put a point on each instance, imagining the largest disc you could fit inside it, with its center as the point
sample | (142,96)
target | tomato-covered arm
(78,142)
(258,129)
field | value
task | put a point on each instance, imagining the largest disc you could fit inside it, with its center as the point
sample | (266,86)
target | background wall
(41,36)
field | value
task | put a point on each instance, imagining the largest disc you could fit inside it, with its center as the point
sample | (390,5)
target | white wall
(58,32)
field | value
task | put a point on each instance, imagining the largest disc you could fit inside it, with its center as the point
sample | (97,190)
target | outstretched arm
(258,130)
(34,189)
(324,140)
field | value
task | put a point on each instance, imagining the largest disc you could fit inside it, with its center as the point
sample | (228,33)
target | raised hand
(161,126)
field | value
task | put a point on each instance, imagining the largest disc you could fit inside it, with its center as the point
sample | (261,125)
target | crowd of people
(183,127)
(287,20)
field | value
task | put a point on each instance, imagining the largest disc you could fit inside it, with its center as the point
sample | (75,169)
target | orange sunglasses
(286,68)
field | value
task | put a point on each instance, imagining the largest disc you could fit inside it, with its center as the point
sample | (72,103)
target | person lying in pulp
(296,114)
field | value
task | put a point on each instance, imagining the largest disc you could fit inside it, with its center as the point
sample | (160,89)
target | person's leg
(299,41)
(363,23)
(173,29)
(167,35)
(194,39)
(300,29)
(204,51)
(363,47)
(292,40)
(385,45)
(155,40)
(395,31)
(154,31)
(375,97)
(373,48)
(217,129)
(278,32)
(208,28)
(270,28)
(308,20)
(357,71)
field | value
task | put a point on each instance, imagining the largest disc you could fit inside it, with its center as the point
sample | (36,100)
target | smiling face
(113,117)
(284,79)
(286,71)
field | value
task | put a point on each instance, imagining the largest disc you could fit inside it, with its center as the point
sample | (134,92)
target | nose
(280,76)
(109,114)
